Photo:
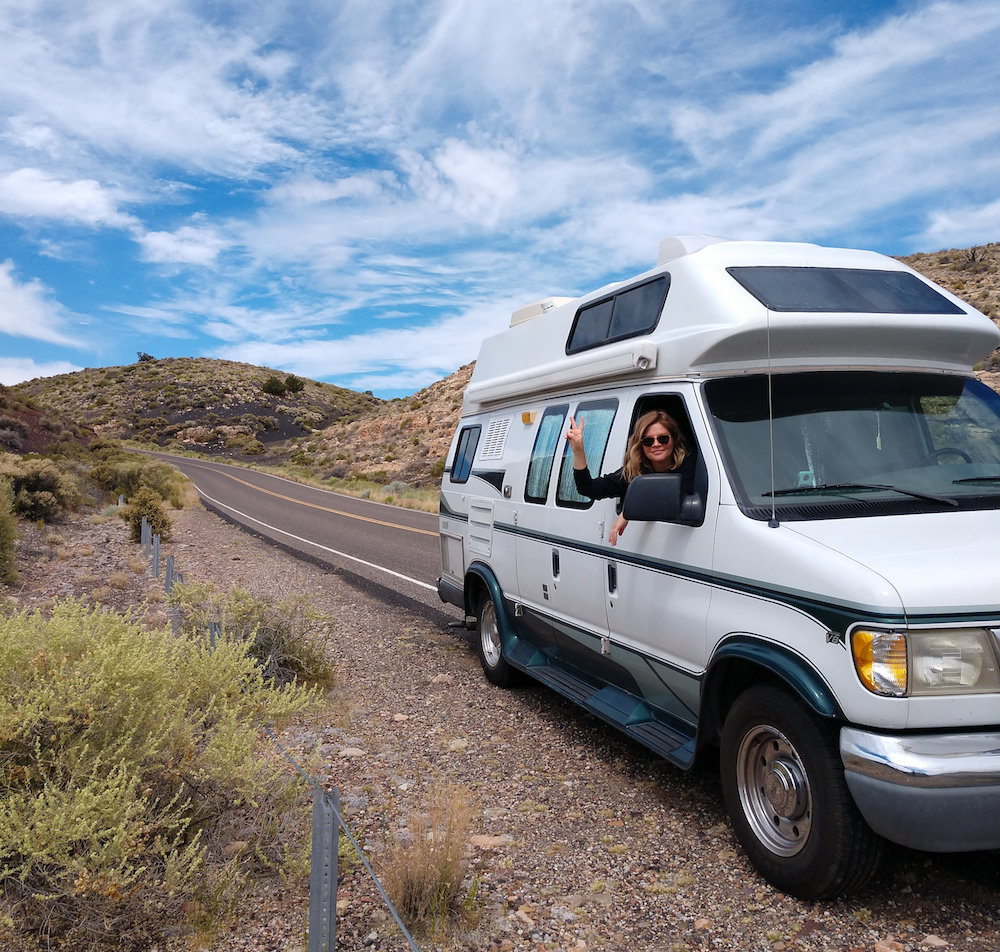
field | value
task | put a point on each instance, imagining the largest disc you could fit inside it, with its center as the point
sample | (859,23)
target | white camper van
(821,606)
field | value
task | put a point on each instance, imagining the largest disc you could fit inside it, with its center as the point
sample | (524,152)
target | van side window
(461,466)
(550,432)
(598,415)
(628,313)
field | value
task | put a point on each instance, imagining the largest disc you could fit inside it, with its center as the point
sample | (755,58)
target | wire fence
(327,821)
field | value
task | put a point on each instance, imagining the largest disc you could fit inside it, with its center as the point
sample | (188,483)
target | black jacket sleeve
(614,484)
(603,487)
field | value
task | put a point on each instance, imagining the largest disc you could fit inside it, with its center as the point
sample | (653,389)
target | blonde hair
(636,461)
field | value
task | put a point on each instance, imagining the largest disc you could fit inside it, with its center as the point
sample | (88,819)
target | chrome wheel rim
(489,635)
(774,790)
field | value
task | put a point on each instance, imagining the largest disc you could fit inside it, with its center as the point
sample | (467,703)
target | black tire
(783,782)
(489,645)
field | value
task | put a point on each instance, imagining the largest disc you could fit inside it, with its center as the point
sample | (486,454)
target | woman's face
(660,454)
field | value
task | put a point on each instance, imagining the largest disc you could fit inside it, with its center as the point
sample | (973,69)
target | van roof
(711,324)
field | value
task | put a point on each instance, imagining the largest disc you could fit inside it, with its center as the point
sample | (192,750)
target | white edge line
(343,555)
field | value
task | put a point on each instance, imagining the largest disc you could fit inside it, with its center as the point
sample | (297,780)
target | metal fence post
(168,582)
(323,878)
(156,555)
(214,631)
(144,535)
(121,500)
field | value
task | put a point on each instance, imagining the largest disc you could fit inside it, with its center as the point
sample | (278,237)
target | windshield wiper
(978,479)
(808,490)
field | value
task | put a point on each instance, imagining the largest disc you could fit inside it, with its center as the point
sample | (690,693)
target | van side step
(674,741)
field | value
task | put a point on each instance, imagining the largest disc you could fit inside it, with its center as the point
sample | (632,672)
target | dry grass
(137,565)
(424,879)
(118,580)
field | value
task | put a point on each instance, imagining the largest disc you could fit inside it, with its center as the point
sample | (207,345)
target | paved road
(392,549)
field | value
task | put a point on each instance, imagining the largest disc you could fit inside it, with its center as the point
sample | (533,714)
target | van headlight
(924,663)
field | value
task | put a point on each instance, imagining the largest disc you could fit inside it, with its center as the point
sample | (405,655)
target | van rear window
(465,452)
(850,290)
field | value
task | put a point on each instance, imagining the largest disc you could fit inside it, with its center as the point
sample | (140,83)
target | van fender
(743,660)
(477,577)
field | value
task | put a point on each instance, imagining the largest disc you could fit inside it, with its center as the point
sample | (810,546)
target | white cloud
(31,193)
(17,369)
(27,309)
(187,245)
(963,226)
(425,353)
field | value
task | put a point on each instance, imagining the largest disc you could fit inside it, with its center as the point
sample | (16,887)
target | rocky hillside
(405,439)
(971,273)
(25,427)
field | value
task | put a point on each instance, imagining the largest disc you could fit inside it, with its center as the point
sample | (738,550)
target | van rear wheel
(489,644)
(783,782)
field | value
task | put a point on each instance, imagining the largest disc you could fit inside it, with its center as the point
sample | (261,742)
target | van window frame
(461,473)
(595,462)
(548,412)
(614,298)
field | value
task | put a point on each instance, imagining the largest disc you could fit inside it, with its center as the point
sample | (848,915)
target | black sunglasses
(663,439)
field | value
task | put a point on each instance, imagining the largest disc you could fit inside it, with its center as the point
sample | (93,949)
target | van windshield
(858,443)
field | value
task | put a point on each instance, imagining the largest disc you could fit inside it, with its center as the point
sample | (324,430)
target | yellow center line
(312,505)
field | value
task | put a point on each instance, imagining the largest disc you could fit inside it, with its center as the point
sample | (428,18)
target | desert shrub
(293,384)
(146,502)
(131,767)
(41,491)
(285,637)
(275,386)
(424,878)
(11,440)
(437,467)
(127,473)
(253,448)
(379,476)
(8,533)
(18,426)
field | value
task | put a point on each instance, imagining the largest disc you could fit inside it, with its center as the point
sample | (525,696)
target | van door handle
(612,577)
(555,563)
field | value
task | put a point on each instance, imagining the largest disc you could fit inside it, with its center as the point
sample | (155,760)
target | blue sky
(360,191)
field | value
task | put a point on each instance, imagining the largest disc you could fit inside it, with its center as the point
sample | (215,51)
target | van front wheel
(783,782)
(490,645)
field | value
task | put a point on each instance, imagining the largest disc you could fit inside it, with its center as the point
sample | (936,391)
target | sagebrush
(41,491)
(132,765)
(286,637)
(146,503)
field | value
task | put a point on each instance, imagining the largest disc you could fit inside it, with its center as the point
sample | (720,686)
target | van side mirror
(657,497)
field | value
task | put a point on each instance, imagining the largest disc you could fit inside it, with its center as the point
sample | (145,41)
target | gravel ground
(582,840)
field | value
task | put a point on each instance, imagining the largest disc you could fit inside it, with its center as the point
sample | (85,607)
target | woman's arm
(574,436)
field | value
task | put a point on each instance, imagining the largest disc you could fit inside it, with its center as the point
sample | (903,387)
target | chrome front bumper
(936,792)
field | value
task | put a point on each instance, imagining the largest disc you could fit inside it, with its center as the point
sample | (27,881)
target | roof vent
(536,309)
(680,245)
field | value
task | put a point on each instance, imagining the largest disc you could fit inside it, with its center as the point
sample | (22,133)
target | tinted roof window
(851,290)
(629,313)
(592,325)
(638,309)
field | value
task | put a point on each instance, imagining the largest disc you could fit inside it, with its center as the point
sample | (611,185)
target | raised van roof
(737,306)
